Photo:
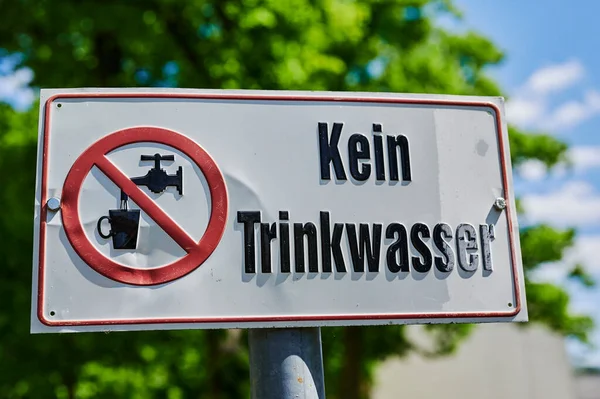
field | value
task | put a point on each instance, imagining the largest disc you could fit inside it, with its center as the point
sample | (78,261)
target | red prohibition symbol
(197,252)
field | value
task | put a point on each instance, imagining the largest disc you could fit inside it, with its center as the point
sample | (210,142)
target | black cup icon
(124,226)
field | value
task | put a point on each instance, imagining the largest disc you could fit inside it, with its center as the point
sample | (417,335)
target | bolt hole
(59,105)
(510,305)
(52,313)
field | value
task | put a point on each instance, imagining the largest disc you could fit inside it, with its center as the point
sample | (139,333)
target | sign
(172,209)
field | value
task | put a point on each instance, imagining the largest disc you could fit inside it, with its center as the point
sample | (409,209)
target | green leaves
(579,274)
(527,146)
(542,243)
(447,338)
(549,305)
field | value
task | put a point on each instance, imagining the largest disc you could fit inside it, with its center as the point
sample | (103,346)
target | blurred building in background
(498,361)
(588,384)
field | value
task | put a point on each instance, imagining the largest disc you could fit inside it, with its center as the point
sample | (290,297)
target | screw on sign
(124,221)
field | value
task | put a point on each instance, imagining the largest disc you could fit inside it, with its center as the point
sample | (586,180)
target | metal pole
(286,363)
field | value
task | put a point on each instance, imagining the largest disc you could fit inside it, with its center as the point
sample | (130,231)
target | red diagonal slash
(147,204)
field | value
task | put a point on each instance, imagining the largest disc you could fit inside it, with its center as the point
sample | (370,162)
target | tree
(377,45)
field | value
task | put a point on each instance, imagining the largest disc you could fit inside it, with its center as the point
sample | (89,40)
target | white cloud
(585,302)
(529,107)
(576,203)
(573,113)
(583,252)
(532,170)
(582,159)
(524,112)
(580,354)
(582,301)
(555,77)
(555,273)
(14,88)
(585,157)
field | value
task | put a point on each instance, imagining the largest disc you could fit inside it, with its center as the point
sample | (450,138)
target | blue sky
(550,76)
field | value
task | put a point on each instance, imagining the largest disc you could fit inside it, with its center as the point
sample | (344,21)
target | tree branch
(181,34)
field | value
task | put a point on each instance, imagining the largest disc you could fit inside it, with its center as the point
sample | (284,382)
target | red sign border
(258,319)
(95,155)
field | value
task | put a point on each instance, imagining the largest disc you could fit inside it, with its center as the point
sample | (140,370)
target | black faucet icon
(125,222)
(157,180)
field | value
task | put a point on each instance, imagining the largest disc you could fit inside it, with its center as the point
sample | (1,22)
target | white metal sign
(166,209)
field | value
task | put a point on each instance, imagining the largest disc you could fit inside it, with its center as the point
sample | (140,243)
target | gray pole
(286,363)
